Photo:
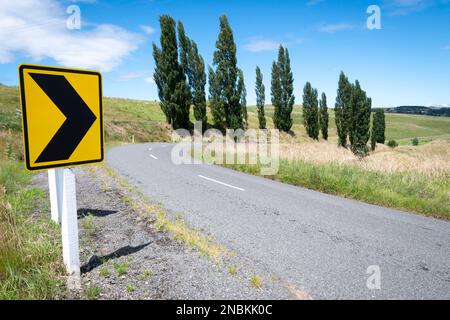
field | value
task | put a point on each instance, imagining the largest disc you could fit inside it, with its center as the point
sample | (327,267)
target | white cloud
(129,76)
(261,44)
(148,29)
(149,80)
(404,7)
(333,28)
(37,30)
(132,75)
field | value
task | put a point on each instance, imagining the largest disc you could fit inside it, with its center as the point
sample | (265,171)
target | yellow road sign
(62,116)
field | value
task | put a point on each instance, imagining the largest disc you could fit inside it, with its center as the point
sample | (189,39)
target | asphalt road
(321,243)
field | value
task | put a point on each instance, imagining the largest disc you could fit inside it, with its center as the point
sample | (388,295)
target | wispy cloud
(333,28)
(37,30)
(447,47)
(258,44)
(132,75)
(126,76)
(404,7)
(148,29)
(149,80)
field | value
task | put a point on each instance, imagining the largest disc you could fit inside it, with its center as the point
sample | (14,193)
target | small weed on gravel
(146,273)
(104,272)
(87,223)
(256,281)
(130,288)
(121,268)
(232,270)
(92,292)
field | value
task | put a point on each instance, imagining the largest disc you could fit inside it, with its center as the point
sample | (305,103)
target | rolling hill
(128,120)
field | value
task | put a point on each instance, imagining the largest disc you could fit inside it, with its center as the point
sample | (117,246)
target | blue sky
(406,62)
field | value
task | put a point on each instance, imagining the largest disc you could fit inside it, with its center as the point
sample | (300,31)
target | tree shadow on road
(96,261)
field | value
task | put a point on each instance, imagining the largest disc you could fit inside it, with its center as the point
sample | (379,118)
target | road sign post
(62,117)
(69,223)
(55,186)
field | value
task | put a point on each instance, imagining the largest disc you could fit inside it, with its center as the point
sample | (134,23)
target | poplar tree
(282,91)
(194,68)
(243,99)
(230,92)
(341,109)
(378,128)
(169,77)
(260,91)
(323,116)
(276,92)
(311,111)
(216,104)
(359,132)
(380,125)
(373,139)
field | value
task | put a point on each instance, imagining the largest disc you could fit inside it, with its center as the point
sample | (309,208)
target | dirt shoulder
(127,255)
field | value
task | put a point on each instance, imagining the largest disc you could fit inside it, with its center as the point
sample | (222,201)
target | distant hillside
(428,111)
(125,120)
(143,121)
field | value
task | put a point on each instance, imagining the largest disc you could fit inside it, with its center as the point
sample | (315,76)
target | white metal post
(69,223)
(55,184)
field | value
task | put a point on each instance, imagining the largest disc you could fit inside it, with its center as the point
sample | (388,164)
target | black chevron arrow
(79,118)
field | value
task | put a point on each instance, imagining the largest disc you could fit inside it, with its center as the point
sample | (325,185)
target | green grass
(121,268)
(30,250)
(130,288)
(104,271)
(414,192)
(92,292)
(87,223)
(10,117)
(127,120)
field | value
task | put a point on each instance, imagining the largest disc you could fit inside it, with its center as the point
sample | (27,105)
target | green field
(144,120)
(399,127)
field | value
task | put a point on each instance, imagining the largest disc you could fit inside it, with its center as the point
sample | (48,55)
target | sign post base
(63,200)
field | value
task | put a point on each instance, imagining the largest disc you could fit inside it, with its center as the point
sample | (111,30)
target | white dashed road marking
(222,183)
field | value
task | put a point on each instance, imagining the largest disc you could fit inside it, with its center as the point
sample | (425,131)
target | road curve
(321,243)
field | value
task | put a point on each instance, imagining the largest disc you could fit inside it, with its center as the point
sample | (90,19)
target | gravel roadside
(124,256)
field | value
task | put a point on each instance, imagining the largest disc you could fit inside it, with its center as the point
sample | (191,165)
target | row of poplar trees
(283,99)
(181,78)
(353,111)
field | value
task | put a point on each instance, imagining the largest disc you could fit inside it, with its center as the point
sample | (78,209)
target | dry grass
(430,159)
